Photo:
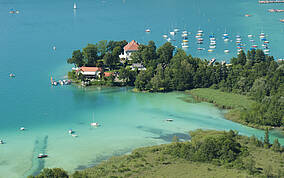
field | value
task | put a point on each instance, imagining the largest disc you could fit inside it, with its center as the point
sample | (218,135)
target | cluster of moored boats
(212,41)
(60,82)
(70,131)
(273,10)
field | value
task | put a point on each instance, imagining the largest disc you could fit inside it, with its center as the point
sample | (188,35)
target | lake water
(128,120)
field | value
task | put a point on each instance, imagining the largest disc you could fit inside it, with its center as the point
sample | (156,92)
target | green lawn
(236,103)
(222,99)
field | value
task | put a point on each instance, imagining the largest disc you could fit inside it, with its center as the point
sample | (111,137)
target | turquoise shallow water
(129,120)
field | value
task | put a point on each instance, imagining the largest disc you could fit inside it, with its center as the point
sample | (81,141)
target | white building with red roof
(89,72)
(128,49)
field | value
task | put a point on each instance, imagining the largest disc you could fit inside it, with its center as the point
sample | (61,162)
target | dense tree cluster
(253,74)
(223,148)
(102,54)
(51,173)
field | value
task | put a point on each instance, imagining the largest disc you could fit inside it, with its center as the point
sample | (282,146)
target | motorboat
(22,128)
(12,11)
(200,49)
(42,155)
(184,35)
(266,42)
(281,20)
(226,51)
(185,32)
(250,36)
(12,75)
(200,31)
(226,39)
(247,15)
(185,40)
(94,124)
(210,50)
(212,47)
(70,131)
(74,135)
(254,46)
(54,48)
(148,30)
(75,6)
(200,39)
(275,10)
(165,36)
(173,33)
(169,120)
(176,30)
(1,142)
(213,43)
(266,50)
(199,42)
(184,46)
(225,34)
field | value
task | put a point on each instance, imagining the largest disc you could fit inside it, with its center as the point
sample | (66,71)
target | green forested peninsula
(208,154)
(253,74)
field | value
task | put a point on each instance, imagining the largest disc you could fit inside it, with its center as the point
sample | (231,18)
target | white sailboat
(74,6)
(94,123)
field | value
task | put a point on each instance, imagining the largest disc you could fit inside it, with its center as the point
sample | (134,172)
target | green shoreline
(233,102)
(209,153)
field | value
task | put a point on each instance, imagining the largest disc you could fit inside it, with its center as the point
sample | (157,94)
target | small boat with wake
(42,155)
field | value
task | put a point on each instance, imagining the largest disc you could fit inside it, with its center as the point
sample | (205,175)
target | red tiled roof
(108,74)
(90,69)
(132,46)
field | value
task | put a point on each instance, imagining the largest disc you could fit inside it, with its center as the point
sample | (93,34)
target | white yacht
(94,124)
(74,6)
(165,36)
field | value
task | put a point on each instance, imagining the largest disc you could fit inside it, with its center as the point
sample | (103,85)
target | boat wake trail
(40,146)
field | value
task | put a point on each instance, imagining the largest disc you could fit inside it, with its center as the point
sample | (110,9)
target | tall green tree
(165,53)
(102,47)
(276,146)
(90,53)
(109,60)
(266,139)
(77,59)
